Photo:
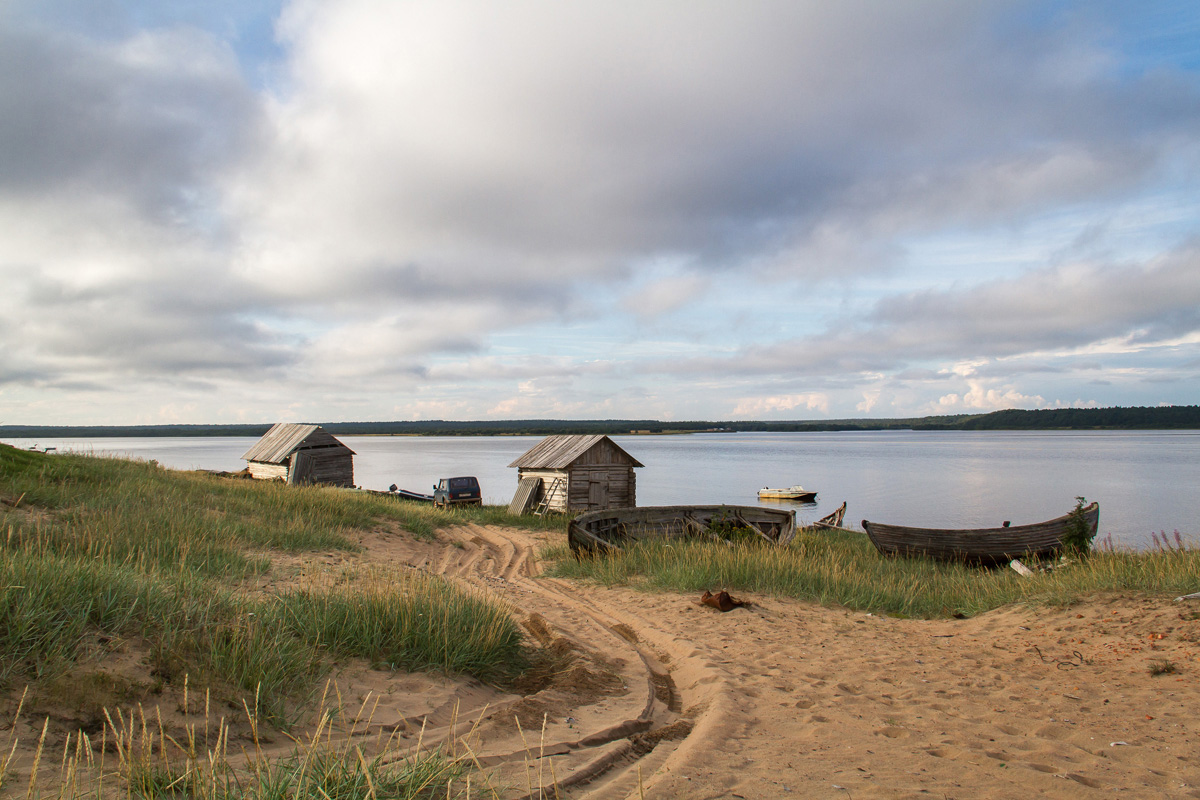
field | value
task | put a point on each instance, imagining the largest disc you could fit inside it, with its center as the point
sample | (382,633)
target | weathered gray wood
(526,496)
(301,469)
(594,471)
(982,545)
(326,460)
(613,528)
(1020,568)
(833,520)
(559,452)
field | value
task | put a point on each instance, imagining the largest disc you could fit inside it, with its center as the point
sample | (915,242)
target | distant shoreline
(1117,418)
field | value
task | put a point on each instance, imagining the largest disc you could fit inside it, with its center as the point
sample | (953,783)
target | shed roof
(284,438)
(558,452)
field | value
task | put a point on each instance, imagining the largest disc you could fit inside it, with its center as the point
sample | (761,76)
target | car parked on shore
(457,491)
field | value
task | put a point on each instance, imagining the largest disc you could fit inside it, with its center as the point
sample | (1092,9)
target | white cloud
(752,407)
(452,205)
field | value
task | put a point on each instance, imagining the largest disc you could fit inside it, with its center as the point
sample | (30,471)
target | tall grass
(408,621)
(844,569)
(94,550)
(136,756)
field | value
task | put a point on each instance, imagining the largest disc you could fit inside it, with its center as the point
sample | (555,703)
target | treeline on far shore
(1134,418)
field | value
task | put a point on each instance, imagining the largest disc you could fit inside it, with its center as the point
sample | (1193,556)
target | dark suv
(452,491)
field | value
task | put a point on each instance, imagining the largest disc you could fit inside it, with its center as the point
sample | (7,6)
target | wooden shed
(300,453)
(575,473)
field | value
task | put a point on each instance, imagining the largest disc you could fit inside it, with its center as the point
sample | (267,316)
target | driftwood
(722,601)
(1020,568)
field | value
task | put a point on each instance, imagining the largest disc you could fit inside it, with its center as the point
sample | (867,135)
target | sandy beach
(657,696)
(670,699)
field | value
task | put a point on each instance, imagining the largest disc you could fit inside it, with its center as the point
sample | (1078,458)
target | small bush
(1077,540)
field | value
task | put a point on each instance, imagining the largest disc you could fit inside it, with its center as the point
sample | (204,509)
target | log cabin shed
(575,473)
(300,453)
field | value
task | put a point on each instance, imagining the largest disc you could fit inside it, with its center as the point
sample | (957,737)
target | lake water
(1144,481)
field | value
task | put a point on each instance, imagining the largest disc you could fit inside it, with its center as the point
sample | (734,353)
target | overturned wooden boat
(615,528)
(833,520)
(797,493)
(980,545)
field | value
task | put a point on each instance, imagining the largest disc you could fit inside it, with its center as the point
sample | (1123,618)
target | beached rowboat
(614,528)
(980,545)
(832,521)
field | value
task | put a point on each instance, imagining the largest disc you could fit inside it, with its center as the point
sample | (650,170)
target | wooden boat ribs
(615,528)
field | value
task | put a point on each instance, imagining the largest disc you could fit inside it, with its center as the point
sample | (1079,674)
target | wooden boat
(797,493)
(978,546)
(833,520)
(614,528)
(404,494)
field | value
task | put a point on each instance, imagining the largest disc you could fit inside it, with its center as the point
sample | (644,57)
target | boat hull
(799,495)
(977,546)
(616,528)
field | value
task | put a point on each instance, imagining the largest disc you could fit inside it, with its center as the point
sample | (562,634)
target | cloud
(454,205)
(752,407)
(666,295)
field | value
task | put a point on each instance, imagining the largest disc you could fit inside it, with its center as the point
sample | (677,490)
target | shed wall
(590,487)
(267,472)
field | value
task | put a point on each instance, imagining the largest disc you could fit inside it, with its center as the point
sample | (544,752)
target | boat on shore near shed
(616,528)
(987,546)
(567,473)
(300,453)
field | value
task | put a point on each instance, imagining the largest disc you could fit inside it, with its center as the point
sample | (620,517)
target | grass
(842,568)
(346,758)
(96,551)
(1163,668)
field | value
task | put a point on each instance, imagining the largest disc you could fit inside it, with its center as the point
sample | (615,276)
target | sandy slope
(655,696)
(791,699)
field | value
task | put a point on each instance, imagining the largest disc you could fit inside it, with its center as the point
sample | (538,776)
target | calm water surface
(1145,481)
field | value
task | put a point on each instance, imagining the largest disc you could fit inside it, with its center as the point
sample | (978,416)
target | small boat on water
(980,545)
(797,493)
(615,528)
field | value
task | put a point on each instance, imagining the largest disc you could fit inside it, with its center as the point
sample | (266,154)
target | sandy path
(791,699)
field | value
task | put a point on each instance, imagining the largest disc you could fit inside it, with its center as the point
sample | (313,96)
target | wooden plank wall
(268,472)
(336,469)
(619,479)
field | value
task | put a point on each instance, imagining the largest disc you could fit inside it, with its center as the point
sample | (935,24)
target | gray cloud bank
(430,195)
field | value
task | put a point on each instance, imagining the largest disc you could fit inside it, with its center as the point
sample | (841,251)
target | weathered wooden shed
(300,453)
(575,473)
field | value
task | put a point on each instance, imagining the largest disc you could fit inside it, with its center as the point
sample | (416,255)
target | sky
(355,210)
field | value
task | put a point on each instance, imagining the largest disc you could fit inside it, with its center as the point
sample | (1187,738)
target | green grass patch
(94,550)
(408,621)
(843,568)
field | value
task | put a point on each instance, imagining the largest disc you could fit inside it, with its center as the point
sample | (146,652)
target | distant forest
(1137,418)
